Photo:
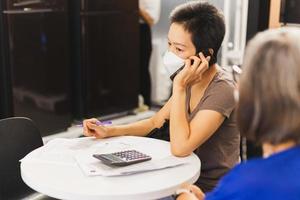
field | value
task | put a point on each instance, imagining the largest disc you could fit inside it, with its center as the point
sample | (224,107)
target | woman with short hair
(199,116)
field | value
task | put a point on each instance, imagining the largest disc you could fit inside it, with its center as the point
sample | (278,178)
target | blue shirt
(276,177)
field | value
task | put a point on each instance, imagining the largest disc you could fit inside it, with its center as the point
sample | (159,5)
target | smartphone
(205,53)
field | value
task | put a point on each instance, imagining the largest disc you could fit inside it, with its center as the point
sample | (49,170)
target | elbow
(180,151)
(151,22)
(153,122)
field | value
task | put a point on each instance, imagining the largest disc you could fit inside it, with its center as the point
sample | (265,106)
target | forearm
(179,125)
(140,128)
(143,127)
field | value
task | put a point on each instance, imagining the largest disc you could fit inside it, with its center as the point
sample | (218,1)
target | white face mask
(172,62)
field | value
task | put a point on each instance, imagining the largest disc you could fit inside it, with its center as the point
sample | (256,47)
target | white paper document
(94,167)
(60,151)
(79,152)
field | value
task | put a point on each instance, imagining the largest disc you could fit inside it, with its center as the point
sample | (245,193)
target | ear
(211,51)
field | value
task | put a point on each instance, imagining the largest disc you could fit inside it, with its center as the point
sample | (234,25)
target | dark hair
(205,23)
(269,103)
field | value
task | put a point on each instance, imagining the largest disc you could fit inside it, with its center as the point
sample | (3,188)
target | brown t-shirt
(222,150)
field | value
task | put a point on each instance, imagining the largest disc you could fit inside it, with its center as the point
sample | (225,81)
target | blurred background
(66,60)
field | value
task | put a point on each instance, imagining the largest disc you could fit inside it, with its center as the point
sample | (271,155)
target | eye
(179,50)
(169,43)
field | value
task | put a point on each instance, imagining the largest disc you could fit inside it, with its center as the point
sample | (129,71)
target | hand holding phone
(206,53)
(191,73)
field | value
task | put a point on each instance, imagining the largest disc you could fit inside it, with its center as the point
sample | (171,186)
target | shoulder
(270,178)
(278,166)
(243,172)
(240,181)
(219,95)
(223,80)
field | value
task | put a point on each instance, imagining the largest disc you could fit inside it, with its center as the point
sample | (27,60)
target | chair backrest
(18,137)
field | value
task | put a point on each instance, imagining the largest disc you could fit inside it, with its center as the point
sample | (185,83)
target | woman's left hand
(196,193)
(191,73)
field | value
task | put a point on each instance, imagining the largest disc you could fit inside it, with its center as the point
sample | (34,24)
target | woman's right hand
(90,128)
(192,71)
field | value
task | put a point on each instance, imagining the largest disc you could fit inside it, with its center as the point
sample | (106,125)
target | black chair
(18,137)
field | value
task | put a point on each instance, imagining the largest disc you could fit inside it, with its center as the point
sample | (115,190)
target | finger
(204,62)
(188,63)
(203,59)
(199,79)
(88,132)
(85,131)
(186,196)
(93,120)
(187,66)
(85,128)
(98,131)
(201,69)
(201,56)
(197,191)
(196,62)
(208,58)
(92,126)
(195,59)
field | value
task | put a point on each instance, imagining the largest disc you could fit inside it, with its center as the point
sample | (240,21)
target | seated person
(269,114)
(200,110)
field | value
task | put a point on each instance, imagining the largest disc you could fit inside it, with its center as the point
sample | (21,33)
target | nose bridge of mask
(172,62)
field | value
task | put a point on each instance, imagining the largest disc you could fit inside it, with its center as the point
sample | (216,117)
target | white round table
(69,182)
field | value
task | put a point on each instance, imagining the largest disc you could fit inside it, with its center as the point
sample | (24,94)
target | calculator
(123,158)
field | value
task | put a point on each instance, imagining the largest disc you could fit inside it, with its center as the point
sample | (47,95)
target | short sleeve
(219,98)
(152,7)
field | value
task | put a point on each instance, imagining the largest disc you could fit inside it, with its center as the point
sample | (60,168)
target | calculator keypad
(123,158)
(130,155)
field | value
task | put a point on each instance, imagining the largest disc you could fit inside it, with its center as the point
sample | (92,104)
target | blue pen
(97,123)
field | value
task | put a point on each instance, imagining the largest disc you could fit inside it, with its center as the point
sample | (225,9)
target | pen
(97,123)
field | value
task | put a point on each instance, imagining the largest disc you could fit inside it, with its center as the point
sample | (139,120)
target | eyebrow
(176,43)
